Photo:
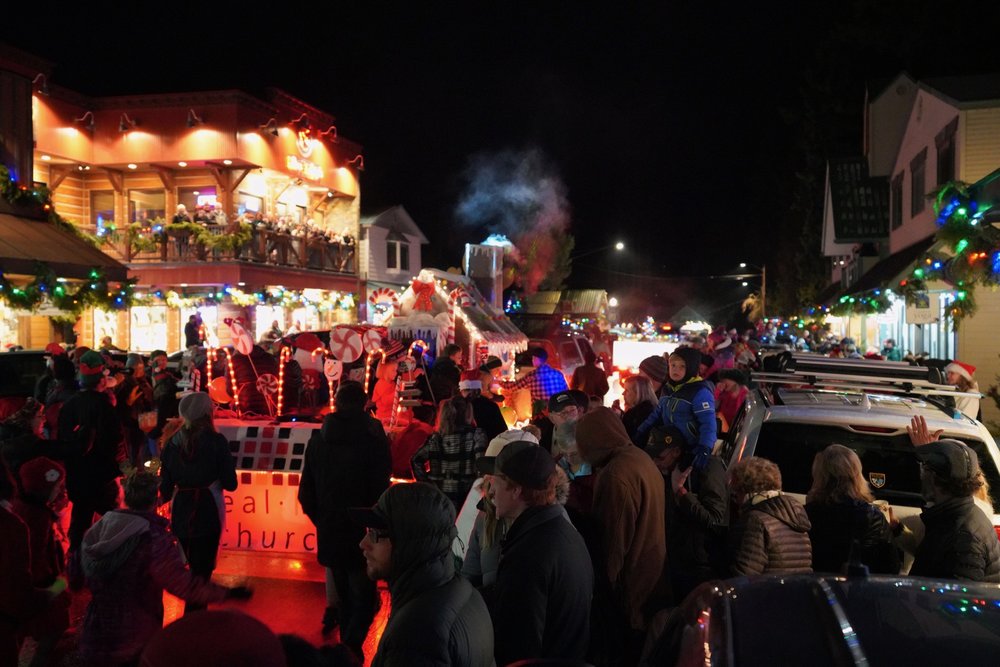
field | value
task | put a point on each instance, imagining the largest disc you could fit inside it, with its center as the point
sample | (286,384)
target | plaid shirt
(450,461)
(542,382)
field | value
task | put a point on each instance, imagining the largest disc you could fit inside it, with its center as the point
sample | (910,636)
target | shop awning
(888,272)
(25,242)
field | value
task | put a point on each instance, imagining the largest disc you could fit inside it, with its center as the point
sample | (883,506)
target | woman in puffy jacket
(843,517)
(771,532)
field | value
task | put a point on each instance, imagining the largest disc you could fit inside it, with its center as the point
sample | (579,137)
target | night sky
(674,127)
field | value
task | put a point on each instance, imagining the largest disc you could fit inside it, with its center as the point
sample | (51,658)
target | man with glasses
(437,617)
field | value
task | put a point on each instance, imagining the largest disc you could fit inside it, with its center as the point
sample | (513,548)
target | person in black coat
(195,468)
(541,601)
(486,412)
(347,464)
(640,401)
(437,617)
(164,392)
(446,373)
(846,526)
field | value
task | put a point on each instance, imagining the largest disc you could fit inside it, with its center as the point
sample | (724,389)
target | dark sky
(664,122)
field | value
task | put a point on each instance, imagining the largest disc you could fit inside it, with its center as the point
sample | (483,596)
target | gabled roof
(886,272)
(542,303)
(860,203)
(687,314)
(395,219)
(964,90)
(585,301)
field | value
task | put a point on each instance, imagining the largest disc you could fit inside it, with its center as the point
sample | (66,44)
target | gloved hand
(241,592)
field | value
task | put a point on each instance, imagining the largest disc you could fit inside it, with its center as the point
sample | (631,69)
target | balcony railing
(264,247)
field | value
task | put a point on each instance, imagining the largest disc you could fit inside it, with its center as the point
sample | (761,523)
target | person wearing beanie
(129,558)
(962,376)
(437,617)
(628,510)
(655,368)
(195,468)
(92,445)
(686,410)
(43,494)
(214,637)
(730,394)
(347,464)
(485,412)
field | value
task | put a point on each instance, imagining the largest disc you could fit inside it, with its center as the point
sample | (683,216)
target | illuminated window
(102,208)
(145,206)
(192,198)
(149,328)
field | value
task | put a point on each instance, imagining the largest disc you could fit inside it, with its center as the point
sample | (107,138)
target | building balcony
(264,247)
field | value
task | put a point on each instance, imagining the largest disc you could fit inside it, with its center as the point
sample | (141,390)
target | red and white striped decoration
(458,298)
(385,295)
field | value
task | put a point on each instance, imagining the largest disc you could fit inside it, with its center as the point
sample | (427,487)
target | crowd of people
(591,523)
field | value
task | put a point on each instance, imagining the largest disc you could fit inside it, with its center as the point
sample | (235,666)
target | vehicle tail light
(874,429)
(996,529)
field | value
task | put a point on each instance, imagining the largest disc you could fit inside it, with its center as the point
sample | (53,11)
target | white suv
(811,402)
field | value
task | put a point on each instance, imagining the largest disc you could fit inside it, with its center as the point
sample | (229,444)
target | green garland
(46,288)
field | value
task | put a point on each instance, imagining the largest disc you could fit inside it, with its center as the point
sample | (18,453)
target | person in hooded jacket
(771,533)
(347,464)
(628,510)
(129,558)
(195,468)
(686,408)
(437,617)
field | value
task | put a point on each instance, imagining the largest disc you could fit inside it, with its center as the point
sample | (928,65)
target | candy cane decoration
(417,343)
(232,380)
(383,295)
(286,352)
(458,298)
(369,364)
(209,360)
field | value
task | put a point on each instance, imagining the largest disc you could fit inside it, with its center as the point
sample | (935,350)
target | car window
(732,436)
(889,463)
(569,355)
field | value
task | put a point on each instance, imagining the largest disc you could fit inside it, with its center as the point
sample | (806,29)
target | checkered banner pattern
(279,448)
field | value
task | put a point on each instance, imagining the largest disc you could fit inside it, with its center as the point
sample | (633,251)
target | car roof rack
(858,376)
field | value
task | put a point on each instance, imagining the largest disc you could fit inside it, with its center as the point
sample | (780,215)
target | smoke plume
(519,194)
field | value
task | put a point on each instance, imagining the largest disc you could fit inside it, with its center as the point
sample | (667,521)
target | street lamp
(618,246)
(613,302)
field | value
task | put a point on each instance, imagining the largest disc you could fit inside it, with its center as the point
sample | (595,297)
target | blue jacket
(689,407)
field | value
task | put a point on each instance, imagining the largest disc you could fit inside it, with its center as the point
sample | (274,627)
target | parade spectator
(771,532)
(92,446)
(413,436)
(46,379)
(959,541)
(544,380)
(564,408)
(656,370)
(686,409)
(730,394)
(133,397)
(192,331)
(890,351)
(20,600)
(437,617)
(486,413)
(640,401)
(63,386)
(962,376)
(272,335)
(347,464)
(129,559)
(43,493)
(448,458)
(195,468)
(165,400)
(482,558)
(697,516)
(846,526)
(590,378)
(108,346)
(446,373)
(540,604)
(628,510)
(490,377)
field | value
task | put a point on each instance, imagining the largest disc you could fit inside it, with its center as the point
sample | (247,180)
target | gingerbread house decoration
(441,308)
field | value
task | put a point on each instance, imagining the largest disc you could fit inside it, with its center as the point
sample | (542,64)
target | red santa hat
(471,380)
(965,370)
(40,475)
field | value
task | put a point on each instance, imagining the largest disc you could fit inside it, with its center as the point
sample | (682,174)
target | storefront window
(102,209)
(264,316)
(209,319)
(145,206)
(249,203)
(193,198)
(106,324)
(149,328)
(306,319)
(8,327)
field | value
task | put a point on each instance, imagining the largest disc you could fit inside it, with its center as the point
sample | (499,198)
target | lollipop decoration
(371,340)
(242,340)
(346,344)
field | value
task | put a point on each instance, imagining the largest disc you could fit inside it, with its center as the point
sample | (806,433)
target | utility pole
(763,291)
